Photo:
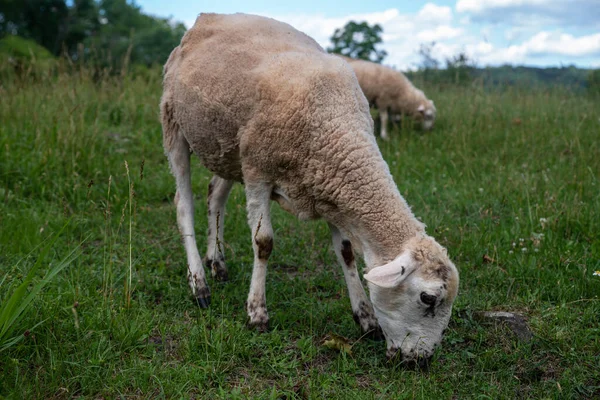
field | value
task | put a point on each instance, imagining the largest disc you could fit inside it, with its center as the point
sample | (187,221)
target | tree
(459,68)
(358,40)
(428,61)
(126,32)
(40,20)
(82,23)
(102,32)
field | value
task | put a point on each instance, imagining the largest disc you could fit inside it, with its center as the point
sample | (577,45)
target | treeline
(109,35)
(102,33)
(508,75)
(520,75)
(463,70)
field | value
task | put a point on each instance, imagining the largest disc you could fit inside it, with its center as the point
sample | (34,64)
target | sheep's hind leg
(218,192)
(362,310)
(384,124)
(179,159)
(259,218)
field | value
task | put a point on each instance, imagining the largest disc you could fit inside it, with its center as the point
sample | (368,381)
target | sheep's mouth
(421,362)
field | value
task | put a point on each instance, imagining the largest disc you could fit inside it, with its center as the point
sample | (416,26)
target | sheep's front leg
(384,123)
(362,310)
(259,218)
(218,192)
(179,159)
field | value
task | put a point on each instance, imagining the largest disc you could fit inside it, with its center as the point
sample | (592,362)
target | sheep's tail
(169,124)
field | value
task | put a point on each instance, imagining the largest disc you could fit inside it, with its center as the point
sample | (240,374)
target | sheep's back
(382,85)
(211,81)
(241,75)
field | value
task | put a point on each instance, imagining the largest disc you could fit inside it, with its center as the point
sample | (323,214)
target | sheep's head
(412,297)
(426,114)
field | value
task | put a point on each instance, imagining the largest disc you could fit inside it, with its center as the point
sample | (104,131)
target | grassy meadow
(508,181)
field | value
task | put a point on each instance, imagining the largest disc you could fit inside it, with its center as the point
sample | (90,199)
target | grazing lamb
(263,104)
(392,94)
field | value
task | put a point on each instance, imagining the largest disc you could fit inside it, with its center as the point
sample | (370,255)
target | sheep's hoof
(202,297)
(218,269)
(259,326)
(365,318)
(258,318)
(200,291)
(376,334)
(203,302)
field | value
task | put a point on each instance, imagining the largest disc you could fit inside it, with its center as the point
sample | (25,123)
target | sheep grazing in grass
(392,94)
(261,103)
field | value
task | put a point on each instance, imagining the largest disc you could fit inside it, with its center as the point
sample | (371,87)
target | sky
(541,33)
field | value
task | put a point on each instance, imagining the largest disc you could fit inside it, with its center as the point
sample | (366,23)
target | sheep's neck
(359,195)
(383,235)
(378,217)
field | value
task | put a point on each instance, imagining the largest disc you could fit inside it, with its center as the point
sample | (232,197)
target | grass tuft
(20,299)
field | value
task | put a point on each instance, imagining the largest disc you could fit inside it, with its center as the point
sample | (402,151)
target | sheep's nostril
(428,299)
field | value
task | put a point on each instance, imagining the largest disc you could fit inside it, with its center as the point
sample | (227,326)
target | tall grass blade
(21,299)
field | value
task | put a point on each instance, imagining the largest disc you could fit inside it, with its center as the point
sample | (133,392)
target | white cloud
(442,32)
(554,44)
(402,33)
(485,32)
(431,13)
(545,43)
(486,44)
(576,13)
(321,28)
(488,54)
(478,6)
(466,20)
(515,33)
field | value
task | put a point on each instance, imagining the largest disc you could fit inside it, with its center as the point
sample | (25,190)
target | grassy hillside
(507,181)
(22,56)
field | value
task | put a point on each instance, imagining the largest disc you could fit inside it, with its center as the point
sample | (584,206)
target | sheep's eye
(428,299)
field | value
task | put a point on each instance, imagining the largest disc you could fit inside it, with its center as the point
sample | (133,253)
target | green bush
(22,56)
(18,47)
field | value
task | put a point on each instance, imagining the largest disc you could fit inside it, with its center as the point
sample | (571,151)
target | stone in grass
(516,322)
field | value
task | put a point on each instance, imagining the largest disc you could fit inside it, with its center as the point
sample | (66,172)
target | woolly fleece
(389,89)
(258,100)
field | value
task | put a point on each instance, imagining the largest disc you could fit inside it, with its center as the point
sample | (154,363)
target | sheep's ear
(421,108)
(393,273)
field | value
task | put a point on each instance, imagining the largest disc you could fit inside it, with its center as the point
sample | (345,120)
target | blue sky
(183,9)
(492,32)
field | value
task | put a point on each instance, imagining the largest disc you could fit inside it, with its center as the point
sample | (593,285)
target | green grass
(21,297)
(511,175)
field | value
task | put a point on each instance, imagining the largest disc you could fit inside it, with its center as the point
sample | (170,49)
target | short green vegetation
(508,181)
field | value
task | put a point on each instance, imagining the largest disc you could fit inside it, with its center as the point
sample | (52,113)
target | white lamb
(392,94)
(263,104)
